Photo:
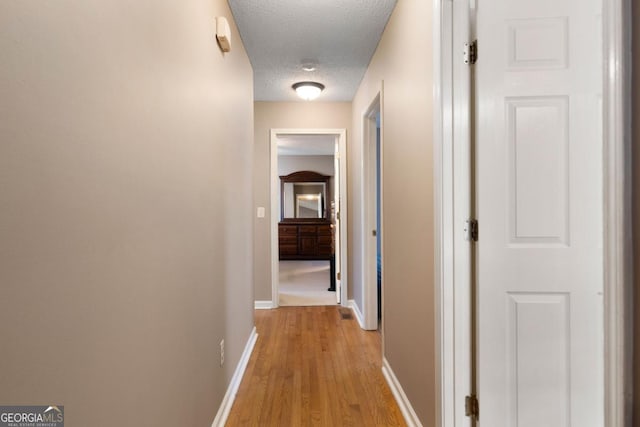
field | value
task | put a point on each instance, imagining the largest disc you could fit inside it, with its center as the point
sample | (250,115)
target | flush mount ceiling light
(308,90)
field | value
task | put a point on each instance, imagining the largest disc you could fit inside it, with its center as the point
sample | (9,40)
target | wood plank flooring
(312,367)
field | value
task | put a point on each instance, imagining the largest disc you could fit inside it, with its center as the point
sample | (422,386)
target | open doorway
(372,215)
(307,186)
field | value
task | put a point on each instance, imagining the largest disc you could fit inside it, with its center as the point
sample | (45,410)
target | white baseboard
(263,305)
(230,395)
(403,402)
(356,311)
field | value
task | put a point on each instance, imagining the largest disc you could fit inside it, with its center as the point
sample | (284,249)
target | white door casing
(337,219)
(369,211)
(341,140)
(539,175)
(452,176)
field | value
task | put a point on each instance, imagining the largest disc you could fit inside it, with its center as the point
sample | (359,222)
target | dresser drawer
(305,240)
(307,230)
(288,240)
(287,249)
(324,230)
(289,230)
(325,250)
(324,240)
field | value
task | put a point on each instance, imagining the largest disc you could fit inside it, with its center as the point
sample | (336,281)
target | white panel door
(539,206)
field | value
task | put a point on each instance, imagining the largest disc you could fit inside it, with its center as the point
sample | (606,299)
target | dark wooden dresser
(305,240)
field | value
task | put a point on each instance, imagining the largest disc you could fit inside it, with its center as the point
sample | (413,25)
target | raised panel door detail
(537,43)
(538,172)
(537,178)
(538,366)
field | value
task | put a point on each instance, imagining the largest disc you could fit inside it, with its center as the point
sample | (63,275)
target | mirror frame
(307,176)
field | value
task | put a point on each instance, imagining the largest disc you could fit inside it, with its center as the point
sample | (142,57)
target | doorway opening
(308,191)
(372,231)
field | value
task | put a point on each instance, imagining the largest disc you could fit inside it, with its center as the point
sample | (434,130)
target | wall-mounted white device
(223,34)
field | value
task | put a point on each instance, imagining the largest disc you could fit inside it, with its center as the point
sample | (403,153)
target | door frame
(369,213)
(341,136)
(452,299)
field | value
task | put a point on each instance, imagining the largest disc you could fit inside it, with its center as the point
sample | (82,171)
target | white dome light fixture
(308,90)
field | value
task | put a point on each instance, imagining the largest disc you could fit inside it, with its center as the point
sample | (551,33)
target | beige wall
(122,250)
(403,60)
(284,115)
(636,202)
(320,164)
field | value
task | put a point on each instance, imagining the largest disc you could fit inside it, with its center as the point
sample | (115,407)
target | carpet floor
(304,283)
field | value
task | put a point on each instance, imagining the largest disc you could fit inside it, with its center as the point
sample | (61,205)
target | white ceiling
(306,145)
(338,36)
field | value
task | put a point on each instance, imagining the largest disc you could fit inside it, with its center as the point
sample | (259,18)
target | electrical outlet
(221,352)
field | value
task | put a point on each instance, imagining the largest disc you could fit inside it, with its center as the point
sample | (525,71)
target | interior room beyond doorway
(306,221)
(306,183)
(305,282)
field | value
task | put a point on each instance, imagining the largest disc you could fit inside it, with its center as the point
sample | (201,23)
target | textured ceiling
(337,36)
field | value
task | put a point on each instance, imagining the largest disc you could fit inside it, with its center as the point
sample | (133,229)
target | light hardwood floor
(311,367)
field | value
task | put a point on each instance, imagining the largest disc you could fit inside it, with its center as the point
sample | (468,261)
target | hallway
(311,366)
(140,197)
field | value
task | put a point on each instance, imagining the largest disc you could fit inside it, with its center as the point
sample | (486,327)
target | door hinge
(471,406)
(338,275)
(471,230)
(471,52)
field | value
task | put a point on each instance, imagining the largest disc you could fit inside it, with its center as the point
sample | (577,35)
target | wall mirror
(304,196)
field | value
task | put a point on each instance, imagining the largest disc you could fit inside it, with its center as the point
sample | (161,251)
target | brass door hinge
(471,406)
